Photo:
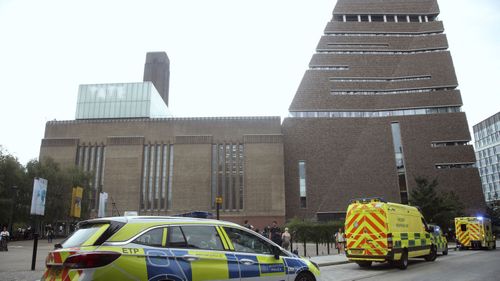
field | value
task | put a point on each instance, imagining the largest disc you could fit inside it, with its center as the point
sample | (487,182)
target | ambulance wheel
(445,252)
(403,262)
(432,255)
(364,263)
(305,276)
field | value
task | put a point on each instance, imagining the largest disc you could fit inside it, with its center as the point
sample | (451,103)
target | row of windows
(490,169)
(330,67)
(381,79)
(456,166)
(448,143)
(90,158)
(490,196)
(487,152)
(382,52)
(487,127)
(489,140)
(156,187)
(228,174)
(493,178)
(205,238)
(392,34)
(385,18)
(369,114)
(491,187)
(389,92)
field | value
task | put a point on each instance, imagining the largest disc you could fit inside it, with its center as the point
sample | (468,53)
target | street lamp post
(13,199)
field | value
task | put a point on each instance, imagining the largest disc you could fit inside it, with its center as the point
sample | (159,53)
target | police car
(439,239)
(173,249)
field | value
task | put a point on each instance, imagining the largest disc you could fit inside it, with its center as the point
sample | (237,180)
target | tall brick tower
(157,70)
(378,107)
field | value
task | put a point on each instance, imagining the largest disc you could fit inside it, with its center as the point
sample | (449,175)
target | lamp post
(13,198)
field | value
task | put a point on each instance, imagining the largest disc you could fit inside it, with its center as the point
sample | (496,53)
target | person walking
(4,239)
(286,237)
(340,241)
(50,235)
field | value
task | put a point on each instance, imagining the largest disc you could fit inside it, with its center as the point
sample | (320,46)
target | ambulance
(474,233)
(379,231)
(172,249)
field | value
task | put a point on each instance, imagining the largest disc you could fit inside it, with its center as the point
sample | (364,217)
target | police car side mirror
(430,229)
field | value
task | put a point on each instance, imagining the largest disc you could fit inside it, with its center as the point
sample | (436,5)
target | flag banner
(39,196)
(103,199)
(76,202)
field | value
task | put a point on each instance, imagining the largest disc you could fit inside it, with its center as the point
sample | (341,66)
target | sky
(227,57)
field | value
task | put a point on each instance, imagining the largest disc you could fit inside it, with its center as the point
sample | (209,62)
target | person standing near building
(275,233)
(286,237)
(340,240)
(5,235)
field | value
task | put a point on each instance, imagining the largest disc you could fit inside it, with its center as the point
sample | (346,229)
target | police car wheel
(445,252)
(403,262)
(304,276)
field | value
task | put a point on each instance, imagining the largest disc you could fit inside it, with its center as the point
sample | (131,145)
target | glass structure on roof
(120,100)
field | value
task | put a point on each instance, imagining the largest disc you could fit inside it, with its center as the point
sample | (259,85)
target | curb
(332,263)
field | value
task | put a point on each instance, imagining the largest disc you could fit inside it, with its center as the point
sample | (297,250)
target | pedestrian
(286,237)
(50,235)
(247,225)
(340,240)
(4,239)
(275,233)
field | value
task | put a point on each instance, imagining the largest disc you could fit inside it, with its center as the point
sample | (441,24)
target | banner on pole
(76,202)
(103,199)
(39,196)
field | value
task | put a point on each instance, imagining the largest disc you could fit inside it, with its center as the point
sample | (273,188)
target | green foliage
(309,231)
(59,190)
(437,207)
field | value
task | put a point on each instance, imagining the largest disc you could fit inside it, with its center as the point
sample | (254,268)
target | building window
(400,162)
(448,143)
(156,174)
(302,184)
(90,158)
(227,175)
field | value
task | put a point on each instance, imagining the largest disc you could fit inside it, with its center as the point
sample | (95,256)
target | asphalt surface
(457,266)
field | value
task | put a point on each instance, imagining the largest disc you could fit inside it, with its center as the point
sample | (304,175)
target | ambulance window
(463,227)
(246,242)
(176,237)
(202,237)
(151,238)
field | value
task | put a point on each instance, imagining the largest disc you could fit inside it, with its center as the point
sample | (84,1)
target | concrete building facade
(487,143)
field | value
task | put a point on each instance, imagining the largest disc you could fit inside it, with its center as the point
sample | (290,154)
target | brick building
(378,106)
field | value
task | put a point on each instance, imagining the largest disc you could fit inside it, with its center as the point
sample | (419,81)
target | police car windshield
(82,235)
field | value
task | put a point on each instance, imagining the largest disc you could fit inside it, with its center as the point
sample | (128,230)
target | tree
(437,207)
(11,175)
(60,187)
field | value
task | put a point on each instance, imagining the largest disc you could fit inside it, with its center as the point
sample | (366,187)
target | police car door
(200,253)
(255,256)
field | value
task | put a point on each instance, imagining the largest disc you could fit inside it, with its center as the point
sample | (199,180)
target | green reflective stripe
(229,243)
(404,236)
(222,238)
(164,238)
(96,235)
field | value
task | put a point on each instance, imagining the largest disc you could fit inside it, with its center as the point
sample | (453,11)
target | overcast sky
(228,57)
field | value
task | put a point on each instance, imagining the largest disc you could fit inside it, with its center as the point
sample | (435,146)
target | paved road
(457,266)
(16,263)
